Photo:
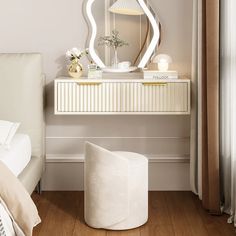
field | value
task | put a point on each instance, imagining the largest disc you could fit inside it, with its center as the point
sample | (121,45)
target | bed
(18,156)
(21,100)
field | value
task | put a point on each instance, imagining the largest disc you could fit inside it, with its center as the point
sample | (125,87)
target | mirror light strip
(150,49)
(92,52)
(155,38)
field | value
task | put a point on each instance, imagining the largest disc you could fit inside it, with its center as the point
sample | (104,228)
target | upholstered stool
(116,189)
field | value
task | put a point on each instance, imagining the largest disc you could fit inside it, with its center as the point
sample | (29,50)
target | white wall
(51,27)
(176,19)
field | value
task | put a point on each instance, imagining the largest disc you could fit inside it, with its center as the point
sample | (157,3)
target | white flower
(76,51)
(68,54)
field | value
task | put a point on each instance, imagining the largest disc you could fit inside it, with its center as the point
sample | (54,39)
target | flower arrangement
(76,54)
(112,41)
(115,42)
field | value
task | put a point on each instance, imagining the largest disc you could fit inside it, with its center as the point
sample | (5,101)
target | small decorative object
(159,68)
(75,69)
(156,74)
(115,42)
(163,61)
(94,72)
(124,65)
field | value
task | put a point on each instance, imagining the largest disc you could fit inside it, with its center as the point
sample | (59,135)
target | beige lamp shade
(162,58)
(126,7)
(163,61)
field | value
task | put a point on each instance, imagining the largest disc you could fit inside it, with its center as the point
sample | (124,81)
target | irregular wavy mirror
(141,32)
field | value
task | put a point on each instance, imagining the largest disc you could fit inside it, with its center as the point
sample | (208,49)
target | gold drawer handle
(89,83)
(154,83)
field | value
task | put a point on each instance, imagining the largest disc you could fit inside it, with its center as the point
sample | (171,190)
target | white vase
(115,59)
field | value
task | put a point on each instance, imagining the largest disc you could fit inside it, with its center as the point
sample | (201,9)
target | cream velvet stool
(116,189)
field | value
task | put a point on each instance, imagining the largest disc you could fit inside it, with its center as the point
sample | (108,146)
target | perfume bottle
(94,72)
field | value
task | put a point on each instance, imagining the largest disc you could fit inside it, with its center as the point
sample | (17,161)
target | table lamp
(126,7)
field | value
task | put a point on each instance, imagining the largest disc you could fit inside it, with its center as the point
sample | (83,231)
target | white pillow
(7,132)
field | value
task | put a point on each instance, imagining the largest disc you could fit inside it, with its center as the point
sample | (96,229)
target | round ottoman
(116,189)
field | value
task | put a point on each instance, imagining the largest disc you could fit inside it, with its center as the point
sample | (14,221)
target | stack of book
(155,74)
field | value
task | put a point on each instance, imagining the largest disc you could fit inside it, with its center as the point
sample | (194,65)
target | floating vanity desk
(122,96)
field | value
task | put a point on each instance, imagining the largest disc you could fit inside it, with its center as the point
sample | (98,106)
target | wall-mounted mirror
(132,24)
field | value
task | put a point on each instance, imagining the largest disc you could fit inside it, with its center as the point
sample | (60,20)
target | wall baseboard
(166,173)
(79,158)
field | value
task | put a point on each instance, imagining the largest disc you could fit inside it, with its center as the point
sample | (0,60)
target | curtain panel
(205,160)
(228,107)
(210,105)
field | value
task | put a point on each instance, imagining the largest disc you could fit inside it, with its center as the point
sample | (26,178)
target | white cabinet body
(122,96)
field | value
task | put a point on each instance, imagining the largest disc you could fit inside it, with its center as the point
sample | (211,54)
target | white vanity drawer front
(109,97)
(155,97)
(88,97)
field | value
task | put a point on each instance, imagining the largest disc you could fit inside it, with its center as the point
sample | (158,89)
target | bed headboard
(21,95)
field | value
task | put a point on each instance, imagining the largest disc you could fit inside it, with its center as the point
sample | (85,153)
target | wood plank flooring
(170,214)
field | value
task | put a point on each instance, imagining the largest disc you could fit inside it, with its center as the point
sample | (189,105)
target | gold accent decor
(75,69)
(154,83)
(89,83)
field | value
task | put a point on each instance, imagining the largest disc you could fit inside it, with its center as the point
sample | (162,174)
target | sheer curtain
(228,107)
(195,150)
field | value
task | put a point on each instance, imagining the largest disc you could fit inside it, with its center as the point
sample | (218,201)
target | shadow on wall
(49,91)
(61,66)
(61,71)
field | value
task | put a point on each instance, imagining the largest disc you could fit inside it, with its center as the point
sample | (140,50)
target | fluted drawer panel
(122,97)
(97,97)
(148,97)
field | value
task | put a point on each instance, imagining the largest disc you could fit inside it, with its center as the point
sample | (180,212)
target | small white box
(155,74)
(94,74)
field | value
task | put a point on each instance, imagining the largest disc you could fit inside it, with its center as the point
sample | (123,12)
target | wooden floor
(170,214)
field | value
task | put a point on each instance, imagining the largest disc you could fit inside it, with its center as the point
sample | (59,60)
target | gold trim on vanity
(154,83)
(89,83)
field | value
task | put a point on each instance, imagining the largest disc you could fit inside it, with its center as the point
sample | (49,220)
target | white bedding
(18,155)
(6,225)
